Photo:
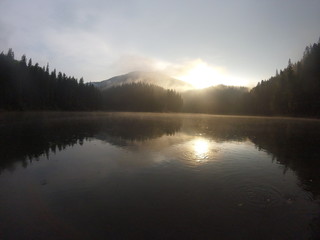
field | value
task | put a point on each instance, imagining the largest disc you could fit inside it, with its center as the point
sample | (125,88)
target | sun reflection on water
(201,149)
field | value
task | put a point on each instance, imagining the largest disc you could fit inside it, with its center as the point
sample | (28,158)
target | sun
(202,75)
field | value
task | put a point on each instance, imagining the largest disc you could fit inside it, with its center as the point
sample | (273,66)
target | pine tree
(10,54)
(23,60)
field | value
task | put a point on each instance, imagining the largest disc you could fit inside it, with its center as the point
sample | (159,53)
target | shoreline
(83,114)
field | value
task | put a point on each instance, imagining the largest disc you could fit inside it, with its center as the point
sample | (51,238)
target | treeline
(217,100)
(27,86)
(141,97)
(24,86)
(293,91)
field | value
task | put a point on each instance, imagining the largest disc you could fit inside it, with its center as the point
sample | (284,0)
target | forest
(24,86)
(141,97)
(293,91)
(219,99)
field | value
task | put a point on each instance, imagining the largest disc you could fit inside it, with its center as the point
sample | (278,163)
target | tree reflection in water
(293,143)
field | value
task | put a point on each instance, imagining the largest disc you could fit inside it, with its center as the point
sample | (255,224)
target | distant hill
(154,78)
(219,99)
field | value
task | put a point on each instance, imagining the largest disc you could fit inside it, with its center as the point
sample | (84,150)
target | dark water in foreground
(158,176)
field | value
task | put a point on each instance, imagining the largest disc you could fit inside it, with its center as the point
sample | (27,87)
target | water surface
(158,176)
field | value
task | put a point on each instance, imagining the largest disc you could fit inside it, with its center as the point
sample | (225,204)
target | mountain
(155,78)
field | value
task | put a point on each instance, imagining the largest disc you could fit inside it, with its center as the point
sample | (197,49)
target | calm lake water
(158,176)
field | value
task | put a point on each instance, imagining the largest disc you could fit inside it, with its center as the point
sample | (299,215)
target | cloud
(93,38)
(81,51)
(80,38)
(195,71)
(202,74)
(135,62)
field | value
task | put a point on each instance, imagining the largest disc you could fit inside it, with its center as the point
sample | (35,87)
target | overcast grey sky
(241,39)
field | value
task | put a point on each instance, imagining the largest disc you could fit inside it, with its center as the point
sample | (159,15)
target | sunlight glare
(201,75)
(201,149)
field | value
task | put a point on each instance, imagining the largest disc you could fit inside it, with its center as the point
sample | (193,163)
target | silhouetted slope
(31,87)
(145,77)
(218,100)
(141,97)
(293,91)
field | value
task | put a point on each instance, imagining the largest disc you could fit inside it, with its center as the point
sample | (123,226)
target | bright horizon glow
(202,75)
(100,39)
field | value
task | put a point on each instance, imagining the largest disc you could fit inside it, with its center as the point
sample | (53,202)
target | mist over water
(158,176)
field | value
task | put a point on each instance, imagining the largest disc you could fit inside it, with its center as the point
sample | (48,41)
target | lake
(158,176)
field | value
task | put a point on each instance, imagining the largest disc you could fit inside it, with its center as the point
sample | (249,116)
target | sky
(204,42)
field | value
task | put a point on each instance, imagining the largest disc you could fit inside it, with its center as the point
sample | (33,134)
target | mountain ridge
(154,78)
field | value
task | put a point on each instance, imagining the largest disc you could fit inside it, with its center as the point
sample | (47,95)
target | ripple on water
(192,160)
(249,192)
(260,196)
